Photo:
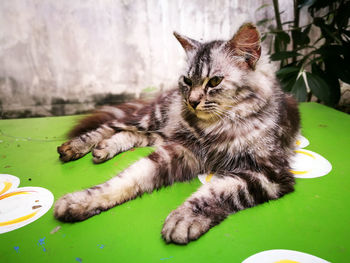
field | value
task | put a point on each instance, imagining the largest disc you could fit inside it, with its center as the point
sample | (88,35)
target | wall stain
(112,99)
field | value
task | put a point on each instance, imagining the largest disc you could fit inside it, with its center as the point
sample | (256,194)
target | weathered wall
(64,57)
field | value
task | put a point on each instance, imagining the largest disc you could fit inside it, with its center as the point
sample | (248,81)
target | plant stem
(278,24)
(277,14)
(295,24)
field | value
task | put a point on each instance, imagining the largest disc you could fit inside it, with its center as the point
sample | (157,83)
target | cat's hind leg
(121,142)
(89,131)
(82,144)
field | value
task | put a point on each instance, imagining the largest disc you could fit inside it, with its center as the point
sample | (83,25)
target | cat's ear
(246,43)
(189,45)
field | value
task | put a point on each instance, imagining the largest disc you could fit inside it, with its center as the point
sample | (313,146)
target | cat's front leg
(214,201)
(169,163)
(133,181)
(200,212)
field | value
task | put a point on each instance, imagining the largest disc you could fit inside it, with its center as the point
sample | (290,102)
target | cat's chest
(232,148)
(232,138)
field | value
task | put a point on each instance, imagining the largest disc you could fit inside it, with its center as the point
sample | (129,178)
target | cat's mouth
(201,113)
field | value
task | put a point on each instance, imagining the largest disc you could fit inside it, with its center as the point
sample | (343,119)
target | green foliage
(312,67)
(299,89)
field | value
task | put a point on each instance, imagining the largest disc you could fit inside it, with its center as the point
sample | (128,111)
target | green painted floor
(314,219)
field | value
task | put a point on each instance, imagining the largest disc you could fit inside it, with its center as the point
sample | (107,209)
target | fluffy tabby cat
(228,116)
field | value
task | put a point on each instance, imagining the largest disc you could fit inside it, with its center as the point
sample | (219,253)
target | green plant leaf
(328,32)
(281,41)
(339,67)
(330,51)
(283,55)
(278,44)
(299,90)
(300,37)
(337,60)
(287,71)
(316,69)
(303,3)
(319,87)
(331,80)
(283,36)
(343,14)
(319,4)
(262,7)
(288,22)
(287,82)
(263,21)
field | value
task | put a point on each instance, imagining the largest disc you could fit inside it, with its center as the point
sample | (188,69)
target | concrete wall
(65,57)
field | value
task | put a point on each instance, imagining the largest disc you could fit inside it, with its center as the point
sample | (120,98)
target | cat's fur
(242,129)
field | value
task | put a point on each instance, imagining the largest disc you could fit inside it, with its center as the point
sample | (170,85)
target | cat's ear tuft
(187,43)
(246,43)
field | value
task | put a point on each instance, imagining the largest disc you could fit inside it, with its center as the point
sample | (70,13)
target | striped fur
(228,116)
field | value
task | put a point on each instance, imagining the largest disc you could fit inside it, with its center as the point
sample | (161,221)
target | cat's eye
(214,81)
(188,81)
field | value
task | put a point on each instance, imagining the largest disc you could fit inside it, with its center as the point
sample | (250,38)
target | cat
(228,116)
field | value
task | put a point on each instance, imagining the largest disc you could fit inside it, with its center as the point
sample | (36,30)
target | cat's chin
(201,115)
(205,116)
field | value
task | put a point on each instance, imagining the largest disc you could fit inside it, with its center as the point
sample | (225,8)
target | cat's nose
(194,103)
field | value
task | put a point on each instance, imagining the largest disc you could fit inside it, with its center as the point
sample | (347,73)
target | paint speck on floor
(79,259)
(101,246)
(41,243)
(166,258)
(16,248)
(53,231)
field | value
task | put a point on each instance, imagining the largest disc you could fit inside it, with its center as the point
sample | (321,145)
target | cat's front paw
(75,207)
(183,225)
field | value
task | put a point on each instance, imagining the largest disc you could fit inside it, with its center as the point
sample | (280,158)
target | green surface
(314,219)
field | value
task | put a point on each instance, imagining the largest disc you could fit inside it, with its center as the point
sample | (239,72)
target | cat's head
(225,78)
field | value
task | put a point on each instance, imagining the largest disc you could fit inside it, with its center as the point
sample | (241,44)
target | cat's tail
(95,120)
(122,113)
(90,122)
